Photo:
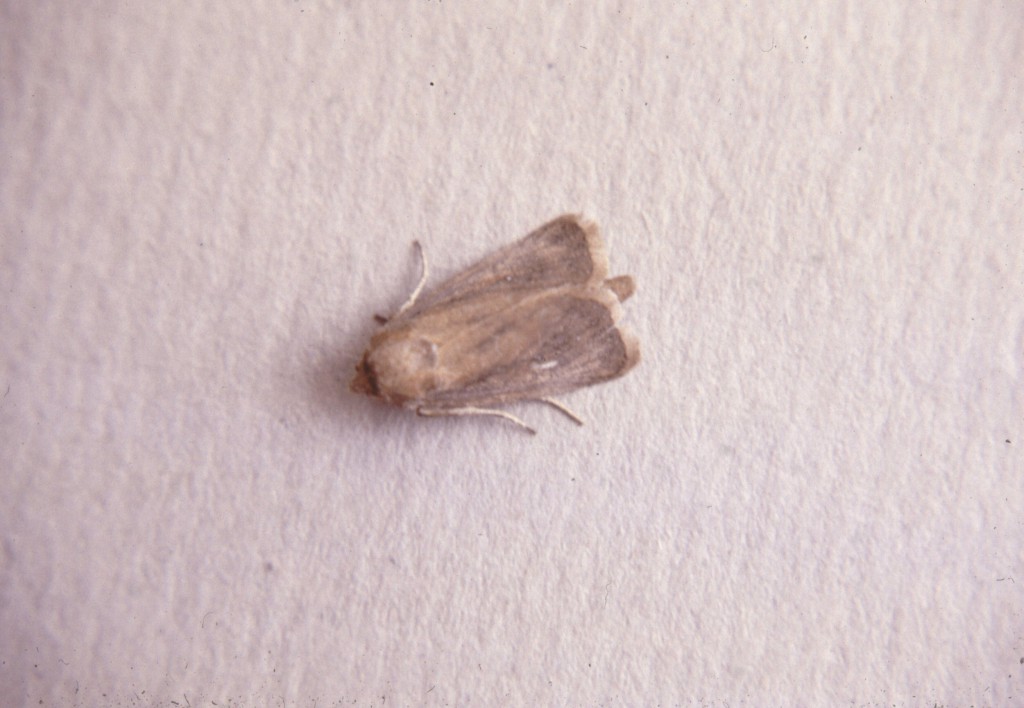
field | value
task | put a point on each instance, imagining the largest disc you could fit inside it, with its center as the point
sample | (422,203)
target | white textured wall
(810,492)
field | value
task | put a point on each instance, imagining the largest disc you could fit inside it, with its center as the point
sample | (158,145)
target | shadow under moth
(533,320)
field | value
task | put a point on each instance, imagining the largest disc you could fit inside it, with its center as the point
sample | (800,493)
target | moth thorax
(404,367)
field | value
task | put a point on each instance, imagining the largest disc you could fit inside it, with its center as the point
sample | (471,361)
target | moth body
(535,319)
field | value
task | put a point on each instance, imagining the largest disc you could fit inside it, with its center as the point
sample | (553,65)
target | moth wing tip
(587,225)
(632,347)
(596,248)
(623,286)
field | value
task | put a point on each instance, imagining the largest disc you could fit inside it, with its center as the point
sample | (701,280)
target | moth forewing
(535,319)
(565,251)
(559,340)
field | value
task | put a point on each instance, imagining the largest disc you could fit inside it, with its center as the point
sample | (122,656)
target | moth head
(397,369)
(365,381)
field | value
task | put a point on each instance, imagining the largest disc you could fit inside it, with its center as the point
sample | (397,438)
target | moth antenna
(438,412)
(419,286)
(562,407)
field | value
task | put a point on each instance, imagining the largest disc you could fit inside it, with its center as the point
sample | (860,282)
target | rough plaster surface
(810,492)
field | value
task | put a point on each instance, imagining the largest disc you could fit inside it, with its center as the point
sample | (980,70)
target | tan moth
(530,321)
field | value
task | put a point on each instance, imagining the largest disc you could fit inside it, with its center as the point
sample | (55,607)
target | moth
(533,320)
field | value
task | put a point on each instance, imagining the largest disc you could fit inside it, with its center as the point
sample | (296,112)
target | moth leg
(469,410)
(562,407)
(419,286)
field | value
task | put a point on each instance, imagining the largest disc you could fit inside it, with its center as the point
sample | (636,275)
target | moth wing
(544,345)
(565,251)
